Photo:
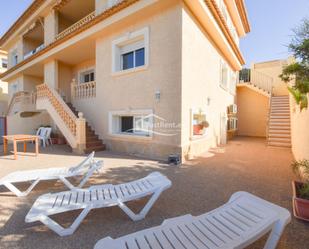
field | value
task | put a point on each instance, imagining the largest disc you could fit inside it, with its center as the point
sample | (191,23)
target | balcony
(255,79)
(73,15)
(34,51)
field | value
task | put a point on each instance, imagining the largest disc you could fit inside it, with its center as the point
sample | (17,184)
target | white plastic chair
(235,225)
(85,168)
(44,136)
(99,196)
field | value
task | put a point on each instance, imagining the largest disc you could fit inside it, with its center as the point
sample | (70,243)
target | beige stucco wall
(64,80)
(19,125)
(299,131)
(30,82)
(201,86)
(137,90)
(50,27)
(253,109)
(274,69)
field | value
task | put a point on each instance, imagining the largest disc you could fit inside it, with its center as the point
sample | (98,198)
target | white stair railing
(72,127)
(257,79)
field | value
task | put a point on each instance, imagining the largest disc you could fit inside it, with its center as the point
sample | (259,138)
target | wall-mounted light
(208,100)
(158,95)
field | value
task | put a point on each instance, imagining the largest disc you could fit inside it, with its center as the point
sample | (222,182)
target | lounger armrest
(108,243)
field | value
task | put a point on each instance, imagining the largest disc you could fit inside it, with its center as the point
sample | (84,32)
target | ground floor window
(131,124)
(199,123)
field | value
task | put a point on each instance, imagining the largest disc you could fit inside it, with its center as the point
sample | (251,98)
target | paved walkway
(198,186)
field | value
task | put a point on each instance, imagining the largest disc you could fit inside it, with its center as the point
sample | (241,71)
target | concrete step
(280,127)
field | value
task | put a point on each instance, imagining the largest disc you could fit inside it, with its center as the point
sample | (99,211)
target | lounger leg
(67,183)
(142,214)
(19,193)
(275,235)
(82,182)
(54,226)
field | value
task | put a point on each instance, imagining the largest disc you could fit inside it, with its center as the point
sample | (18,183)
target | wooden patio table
(20,138)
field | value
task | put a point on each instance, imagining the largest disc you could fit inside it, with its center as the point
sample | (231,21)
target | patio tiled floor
(198,186)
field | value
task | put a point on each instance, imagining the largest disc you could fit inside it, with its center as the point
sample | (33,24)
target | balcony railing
(76,25)
(25,99)
(83,90)
(257,79)
(34,51)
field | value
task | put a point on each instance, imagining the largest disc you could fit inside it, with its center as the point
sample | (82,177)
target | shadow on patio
(198,186)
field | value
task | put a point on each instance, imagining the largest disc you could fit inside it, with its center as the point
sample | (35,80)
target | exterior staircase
(279,133)
(93,143)
(256,81)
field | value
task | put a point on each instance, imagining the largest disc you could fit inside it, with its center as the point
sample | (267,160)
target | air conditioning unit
(232,109)
(232,124)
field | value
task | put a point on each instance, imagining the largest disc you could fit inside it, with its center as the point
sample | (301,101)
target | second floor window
(224,75)
(135,58)
(87,76)
(4,63)
(14,58)
(131,51)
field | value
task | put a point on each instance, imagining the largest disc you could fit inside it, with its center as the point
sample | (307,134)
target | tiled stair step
(279,105)
(276,111)
(279,130)
(279,114)
(278,144)
(280,127)
(95,148)
(279,121)
(278,139)
(278,135)
(93,143)
(91,137)
(279,117)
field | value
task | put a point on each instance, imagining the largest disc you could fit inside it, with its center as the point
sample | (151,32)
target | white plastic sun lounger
(237,224)
(86,168)
(98,196)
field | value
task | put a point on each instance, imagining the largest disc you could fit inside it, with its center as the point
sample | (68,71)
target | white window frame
(83,71)
(204,112)
(4,61)
(232,82)
(14,57)
(131,41)
(115,131)
(224,64)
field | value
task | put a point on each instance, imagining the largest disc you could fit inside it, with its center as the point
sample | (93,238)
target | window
(233,78)
(87,76)
(131,51)
(232,124)
(4,63)
(224,75)
(138,124)
(14,58)
(133,59)
(198,122)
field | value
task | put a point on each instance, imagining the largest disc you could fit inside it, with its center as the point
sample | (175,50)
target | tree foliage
(299,71)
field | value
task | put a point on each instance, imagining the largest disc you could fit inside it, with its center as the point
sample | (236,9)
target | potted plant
(301,190)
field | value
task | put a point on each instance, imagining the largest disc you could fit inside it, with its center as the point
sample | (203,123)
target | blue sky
(271,23)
